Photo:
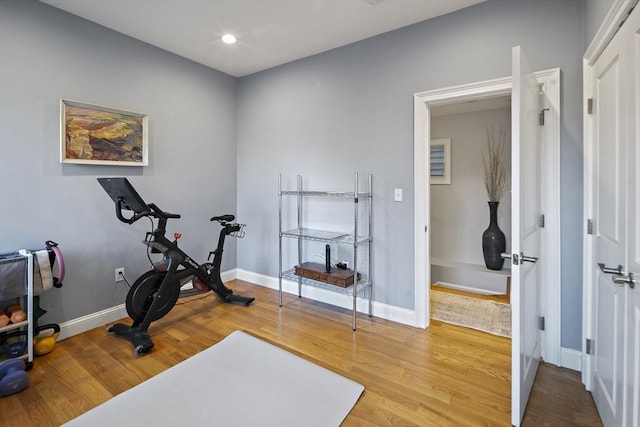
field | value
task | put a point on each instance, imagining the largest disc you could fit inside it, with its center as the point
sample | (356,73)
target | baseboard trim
(229,275)
(111,315)
(571,359)
(384,311)
(93,320)
(467,288)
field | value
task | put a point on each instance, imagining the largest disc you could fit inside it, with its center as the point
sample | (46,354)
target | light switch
(397,195)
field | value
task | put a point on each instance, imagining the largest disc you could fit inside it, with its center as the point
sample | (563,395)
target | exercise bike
(155,292)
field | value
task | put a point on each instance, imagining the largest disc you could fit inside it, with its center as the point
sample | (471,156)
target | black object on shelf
(327,258)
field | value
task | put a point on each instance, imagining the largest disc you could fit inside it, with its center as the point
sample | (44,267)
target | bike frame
(176,258)
(179,265)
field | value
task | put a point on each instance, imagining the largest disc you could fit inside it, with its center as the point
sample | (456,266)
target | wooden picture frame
(97,135)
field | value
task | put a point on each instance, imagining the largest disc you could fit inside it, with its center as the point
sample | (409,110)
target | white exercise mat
(240,381)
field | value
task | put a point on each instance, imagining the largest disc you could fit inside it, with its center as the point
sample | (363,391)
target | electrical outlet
(119,274)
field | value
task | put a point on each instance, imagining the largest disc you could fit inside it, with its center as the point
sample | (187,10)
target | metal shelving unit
(363,283)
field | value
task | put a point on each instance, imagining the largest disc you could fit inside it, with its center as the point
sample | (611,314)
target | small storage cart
(16,283)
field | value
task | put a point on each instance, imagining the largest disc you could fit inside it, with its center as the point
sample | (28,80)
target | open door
(525,234)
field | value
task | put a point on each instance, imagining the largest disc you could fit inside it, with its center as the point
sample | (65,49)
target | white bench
(469,277)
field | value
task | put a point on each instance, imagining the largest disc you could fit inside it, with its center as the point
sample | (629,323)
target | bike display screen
(121,190)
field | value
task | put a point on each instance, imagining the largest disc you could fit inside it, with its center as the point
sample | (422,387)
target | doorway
(464,291)
(459,211)
(424,104)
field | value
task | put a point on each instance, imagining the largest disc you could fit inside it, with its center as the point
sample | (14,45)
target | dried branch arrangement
(495,170)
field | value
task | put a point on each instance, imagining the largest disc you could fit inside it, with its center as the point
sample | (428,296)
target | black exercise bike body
(156,292)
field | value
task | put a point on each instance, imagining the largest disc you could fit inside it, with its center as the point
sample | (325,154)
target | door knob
(518,259)
(513,258)
(621,280)
(609,270)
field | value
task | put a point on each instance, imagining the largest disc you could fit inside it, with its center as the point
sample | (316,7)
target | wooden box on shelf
(316,271)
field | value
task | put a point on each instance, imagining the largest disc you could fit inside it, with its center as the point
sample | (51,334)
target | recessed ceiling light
(229,38)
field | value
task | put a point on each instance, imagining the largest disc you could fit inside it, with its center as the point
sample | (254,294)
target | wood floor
(444,376)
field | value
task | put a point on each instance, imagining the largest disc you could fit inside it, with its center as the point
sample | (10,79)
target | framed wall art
(98,135)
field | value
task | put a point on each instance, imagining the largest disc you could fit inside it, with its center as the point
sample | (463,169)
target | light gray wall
(459,211)
(594,13)
(326,116)
(351,109)
(47,54)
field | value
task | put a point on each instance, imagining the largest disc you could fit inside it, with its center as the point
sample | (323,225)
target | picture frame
(440,161)
(97,135)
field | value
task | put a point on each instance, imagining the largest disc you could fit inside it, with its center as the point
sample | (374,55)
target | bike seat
(223,218)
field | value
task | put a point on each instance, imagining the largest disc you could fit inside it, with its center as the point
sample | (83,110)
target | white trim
(551,202)
(587,209)
(422,214)
(91,321)
(110,315)
(338,299)
(466,288)
(551,279)
(571,359)
(229,275)
(617,14)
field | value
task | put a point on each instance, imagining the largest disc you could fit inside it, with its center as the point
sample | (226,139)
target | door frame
(609,27)
(551,290)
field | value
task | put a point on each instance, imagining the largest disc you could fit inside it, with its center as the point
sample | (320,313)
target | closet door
(616,235)
(632,376)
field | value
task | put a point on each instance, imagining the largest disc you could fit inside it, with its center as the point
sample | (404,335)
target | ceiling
(269,32)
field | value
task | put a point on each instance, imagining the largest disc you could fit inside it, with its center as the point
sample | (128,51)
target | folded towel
(42,274)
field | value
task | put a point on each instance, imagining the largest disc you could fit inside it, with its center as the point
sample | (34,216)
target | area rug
(483,315)
(240,381)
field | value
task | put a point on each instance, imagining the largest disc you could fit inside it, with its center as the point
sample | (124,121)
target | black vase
(493,241)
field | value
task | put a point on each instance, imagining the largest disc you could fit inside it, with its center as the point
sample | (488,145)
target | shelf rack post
(280,239)
(370,251)
(355,248)
(299,213)
(29,303)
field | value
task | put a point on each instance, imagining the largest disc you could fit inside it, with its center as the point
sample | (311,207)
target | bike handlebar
(136,215)
(152,210)
(159,213)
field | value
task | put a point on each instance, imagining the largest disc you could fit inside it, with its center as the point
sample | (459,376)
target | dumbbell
(4,319)
(16,314)
(13,377)
(14,344)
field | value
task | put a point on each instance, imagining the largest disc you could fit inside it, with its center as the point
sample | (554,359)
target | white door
(632,410)
(633,400)
(615,230)
(525,234)
(631,32)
